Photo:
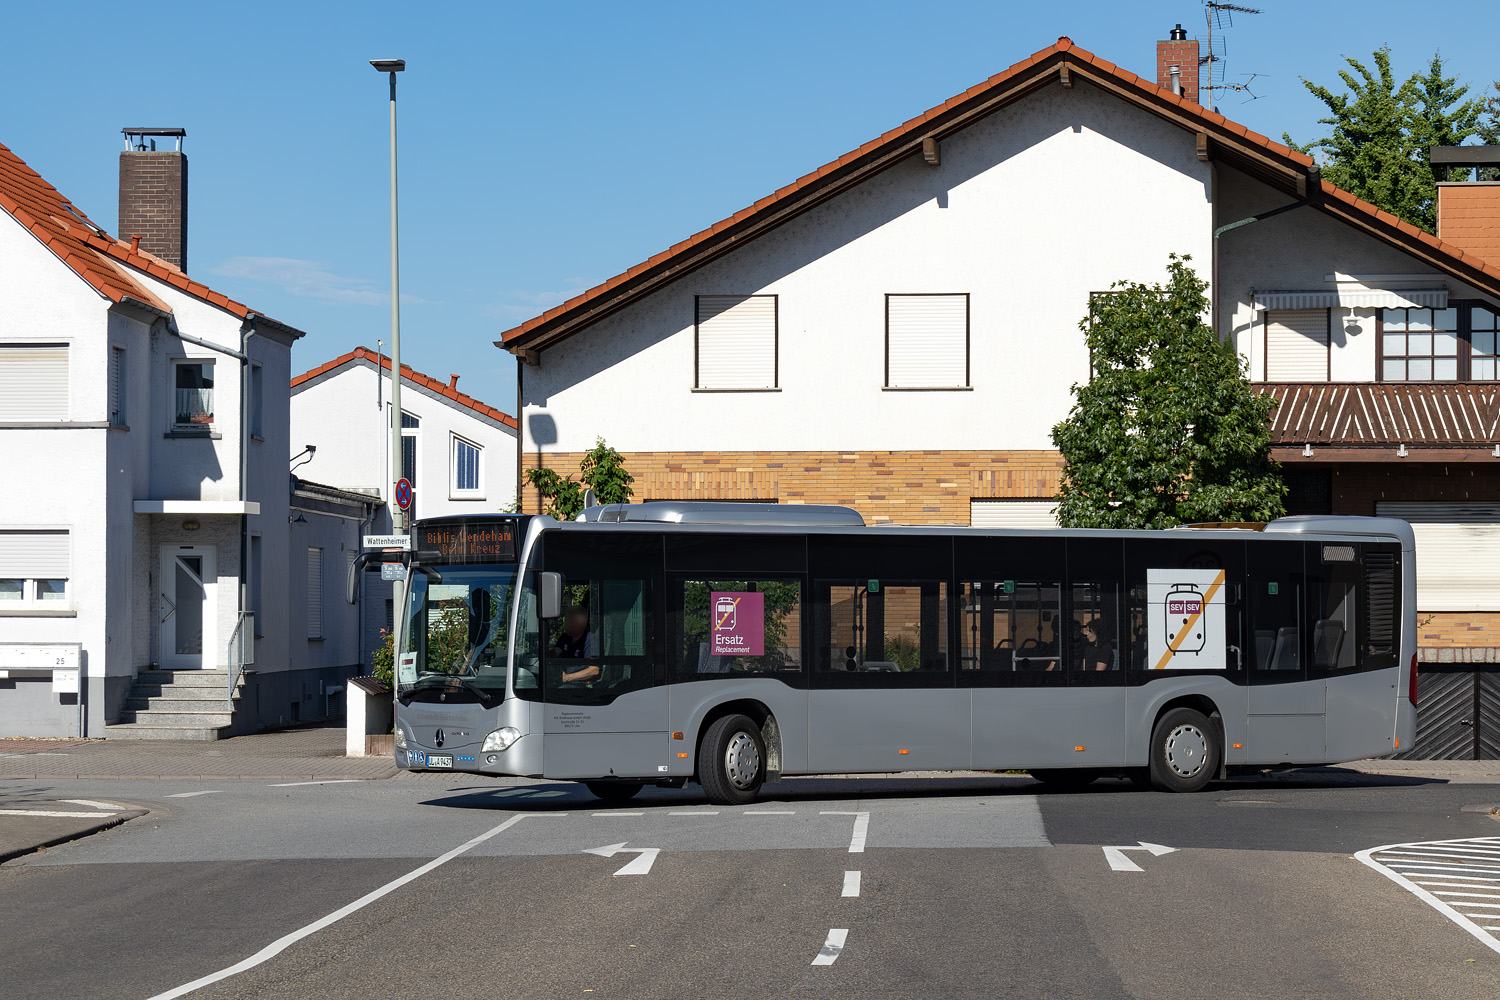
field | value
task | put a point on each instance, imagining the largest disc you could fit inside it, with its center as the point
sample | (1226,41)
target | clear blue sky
(548,146)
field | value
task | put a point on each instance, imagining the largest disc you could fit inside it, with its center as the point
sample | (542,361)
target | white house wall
(1296,251)
(1030,211)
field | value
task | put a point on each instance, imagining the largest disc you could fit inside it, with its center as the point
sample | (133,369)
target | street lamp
(398,517)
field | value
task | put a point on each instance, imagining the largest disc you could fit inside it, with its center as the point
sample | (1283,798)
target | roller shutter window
(34,566)
(117,386)
(1297,345)
(927,341)
(736,342)
(33,382)
(1013,513)
(1458,553)
(315,593)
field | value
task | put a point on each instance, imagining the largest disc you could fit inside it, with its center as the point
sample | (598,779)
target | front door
(188,585)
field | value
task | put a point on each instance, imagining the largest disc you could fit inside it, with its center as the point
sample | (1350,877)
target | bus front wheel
(732,761)
(1184,751)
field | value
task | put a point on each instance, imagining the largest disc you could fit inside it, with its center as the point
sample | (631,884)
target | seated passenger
(1096,653)
(576,643)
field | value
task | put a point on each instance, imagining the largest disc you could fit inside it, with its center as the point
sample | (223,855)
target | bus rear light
(1411,690)
(1398,743)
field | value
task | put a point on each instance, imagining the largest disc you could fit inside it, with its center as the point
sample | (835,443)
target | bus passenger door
(1285,704)
(604,701)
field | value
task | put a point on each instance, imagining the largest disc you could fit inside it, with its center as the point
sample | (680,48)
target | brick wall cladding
(1468,216)
(153,203)
(913,487)
(1184,55)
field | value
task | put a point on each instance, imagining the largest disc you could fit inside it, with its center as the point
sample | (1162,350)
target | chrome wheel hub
(742,761)
(1187,751)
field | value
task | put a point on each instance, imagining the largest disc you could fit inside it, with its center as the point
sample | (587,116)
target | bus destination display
(470,541)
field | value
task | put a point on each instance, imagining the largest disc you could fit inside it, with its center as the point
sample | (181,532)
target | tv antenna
(1221,15)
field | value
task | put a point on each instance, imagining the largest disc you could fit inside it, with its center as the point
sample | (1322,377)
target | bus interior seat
(1265,643)
(1286,655)
(1328,640)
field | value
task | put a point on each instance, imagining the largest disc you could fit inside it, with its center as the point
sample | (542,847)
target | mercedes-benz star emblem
(439,738)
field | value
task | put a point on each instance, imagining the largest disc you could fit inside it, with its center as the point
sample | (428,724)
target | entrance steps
(177,705)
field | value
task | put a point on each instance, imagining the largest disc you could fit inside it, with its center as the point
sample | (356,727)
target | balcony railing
(1449,415)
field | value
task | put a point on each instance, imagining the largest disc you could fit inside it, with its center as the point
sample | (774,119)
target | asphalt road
(977,887)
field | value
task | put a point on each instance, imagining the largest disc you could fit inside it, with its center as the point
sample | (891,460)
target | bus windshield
(455,642)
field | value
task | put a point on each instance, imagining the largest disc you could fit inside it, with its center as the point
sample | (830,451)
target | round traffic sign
(403,494)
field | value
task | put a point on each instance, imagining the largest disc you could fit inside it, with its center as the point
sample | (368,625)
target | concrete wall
(1031,210)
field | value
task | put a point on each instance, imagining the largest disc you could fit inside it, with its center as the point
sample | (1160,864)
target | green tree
(602,470)
(1168,430)
(1381,131)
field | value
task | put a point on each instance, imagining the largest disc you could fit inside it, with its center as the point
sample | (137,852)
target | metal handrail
(241,652)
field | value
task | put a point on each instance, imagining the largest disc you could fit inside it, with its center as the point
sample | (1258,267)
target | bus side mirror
(549,595)
(351,585)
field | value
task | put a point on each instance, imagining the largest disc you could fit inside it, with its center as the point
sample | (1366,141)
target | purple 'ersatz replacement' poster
(739,623)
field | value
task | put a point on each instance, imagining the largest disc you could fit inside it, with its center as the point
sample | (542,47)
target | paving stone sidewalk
(1454,768)
(309,753)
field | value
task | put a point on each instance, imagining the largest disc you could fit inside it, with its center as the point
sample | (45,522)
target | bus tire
(1185,751)
(732,761)
(1066,777)
(614,791)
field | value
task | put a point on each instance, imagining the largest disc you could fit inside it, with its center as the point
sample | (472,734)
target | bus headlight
(400,737)
(500,739)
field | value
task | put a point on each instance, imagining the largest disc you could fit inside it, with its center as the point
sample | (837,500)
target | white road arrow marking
(1120,863)
(640,866)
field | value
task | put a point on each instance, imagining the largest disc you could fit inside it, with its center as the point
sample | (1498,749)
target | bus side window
(1275,615)
(1334,584)
(602,645)
(735,627)
(885,627)
(1011,625)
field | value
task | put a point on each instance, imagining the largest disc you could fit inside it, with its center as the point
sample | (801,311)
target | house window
(735,342)
(1297,345)
(927,341)
(315,593)
(33,381)
(409,427)
(193,396)
(1419,345)
(34,569)
(466,469)
(117,381)
(1484,331)
(257,402)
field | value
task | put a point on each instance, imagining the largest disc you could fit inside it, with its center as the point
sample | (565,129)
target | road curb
(88,830)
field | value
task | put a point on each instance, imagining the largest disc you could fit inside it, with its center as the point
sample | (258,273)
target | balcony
(1385,421)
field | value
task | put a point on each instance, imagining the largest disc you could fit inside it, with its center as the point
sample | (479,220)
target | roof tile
(410,375)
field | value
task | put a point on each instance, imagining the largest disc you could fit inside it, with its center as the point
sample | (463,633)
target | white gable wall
(1029,212)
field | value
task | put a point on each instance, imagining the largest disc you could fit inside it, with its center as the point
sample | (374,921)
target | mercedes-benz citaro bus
(733,643)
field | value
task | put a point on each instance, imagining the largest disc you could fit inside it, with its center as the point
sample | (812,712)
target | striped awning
(1355,298)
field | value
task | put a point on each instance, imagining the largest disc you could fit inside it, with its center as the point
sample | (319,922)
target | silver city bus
(731,644)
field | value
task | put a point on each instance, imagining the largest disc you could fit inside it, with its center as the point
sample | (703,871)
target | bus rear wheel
(1185,751)
(732,761)
(614,791)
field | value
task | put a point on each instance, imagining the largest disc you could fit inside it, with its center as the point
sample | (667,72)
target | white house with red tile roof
(458,452)
(898,330)
(144,535)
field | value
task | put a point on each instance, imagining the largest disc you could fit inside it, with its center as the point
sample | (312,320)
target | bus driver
(578,643)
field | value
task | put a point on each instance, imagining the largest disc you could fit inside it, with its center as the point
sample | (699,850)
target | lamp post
(398,516)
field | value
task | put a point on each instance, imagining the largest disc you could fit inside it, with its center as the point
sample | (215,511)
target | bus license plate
(439,760)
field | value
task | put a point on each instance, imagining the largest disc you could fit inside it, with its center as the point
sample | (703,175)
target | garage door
(1013,513)
(1458,553)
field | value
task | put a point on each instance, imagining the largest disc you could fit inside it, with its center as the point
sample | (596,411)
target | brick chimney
(1468,212)
(1177,61)
(154,192)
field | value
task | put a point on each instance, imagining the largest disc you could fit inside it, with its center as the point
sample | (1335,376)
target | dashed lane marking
(694,812)
(329,781)
(834,944)
(769,812)
(1472,864)
(861,828)
(851,884)
(188,795)
(613,813)
(54,813)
